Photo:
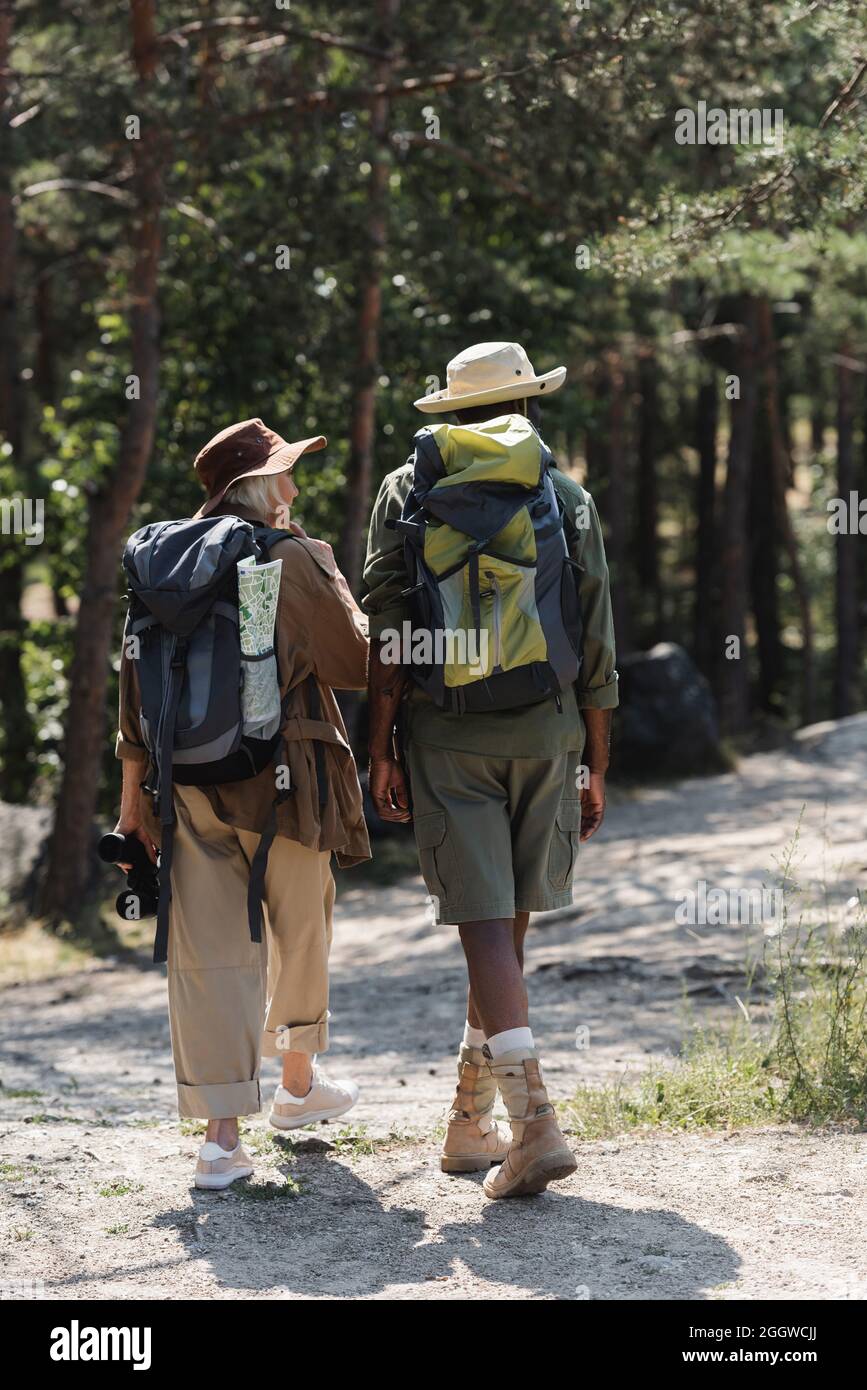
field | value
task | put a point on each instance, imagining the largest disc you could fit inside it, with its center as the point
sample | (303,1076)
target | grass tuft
(805,1062)
(279,1190)
(718,1082)
(120,1188)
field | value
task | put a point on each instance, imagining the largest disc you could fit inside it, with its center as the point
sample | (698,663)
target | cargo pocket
(437,856)
(564,842)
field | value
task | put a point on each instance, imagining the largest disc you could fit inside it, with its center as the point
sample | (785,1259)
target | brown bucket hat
(246,450)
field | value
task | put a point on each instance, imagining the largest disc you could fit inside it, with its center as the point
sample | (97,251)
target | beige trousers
(231,1000)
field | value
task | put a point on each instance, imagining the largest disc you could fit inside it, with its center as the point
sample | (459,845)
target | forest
(217,210)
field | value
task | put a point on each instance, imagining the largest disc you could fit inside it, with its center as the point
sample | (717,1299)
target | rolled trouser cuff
(296,1037)
(222,1101)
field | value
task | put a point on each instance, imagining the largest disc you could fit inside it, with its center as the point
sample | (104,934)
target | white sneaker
(325,1100)
(218,1167)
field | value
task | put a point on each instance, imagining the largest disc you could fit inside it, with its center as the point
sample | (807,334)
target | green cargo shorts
(495,836)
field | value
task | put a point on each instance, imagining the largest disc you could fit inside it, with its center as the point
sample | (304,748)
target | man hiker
(492,646)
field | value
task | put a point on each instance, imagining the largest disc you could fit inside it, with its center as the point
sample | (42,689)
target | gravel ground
(95,1175)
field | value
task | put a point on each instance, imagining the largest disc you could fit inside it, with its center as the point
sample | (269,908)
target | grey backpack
(183,632)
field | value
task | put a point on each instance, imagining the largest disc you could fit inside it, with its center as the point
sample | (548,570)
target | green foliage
(798,1053)
(817,972)
(718,1081)
(567,141)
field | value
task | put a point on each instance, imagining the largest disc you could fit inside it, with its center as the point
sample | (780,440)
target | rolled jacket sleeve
(596,687)
(385,573)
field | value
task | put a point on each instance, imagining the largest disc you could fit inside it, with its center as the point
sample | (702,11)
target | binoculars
(141,895)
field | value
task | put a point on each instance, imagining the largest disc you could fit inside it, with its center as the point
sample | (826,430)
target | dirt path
(96,1195)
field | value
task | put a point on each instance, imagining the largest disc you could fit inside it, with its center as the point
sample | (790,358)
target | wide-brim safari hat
(246,450)
(487,373)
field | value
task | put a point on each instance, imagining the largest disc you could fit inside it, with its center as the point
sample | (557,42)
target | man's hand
(385,687)
(388,789)
(592,805)
(131,825)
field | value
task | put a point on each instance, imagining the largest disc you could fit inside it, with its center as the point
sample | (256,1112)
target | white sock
(473,1037)
(513,1040)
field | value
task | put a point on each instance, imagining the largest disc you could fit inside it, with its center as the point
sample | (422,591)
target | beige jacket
(320,629)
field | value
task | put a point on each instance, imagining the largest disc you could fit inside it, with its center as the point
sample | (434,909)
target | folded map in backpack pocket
(258,594)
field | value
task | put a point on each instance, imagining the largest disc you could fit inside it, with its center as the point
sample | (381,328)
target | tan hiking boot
(473,1141)
(538,1154)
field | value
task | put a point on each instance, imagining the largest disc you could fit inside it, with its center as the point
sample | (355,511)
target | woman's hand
(131,825)
(129,822)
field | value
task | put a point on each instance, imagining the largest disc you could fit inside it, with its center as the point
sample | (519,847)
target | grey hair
(260,494)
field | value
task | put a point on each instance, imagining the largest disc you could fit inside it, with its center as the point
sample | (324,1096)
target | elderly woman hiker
(250,802)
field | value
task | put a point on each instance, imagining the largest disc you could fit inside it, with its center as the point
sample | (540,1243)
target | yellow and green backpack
(495,618)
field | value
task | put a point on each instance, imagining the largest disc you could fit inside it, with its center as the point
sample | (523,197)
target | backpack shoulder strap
(266,537)
(428,468)
(570,530)
(165,793)
(409,506)
(428,463)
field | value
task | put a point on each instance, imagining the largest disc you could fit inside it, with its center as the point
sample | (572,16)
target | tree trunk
(705,616)
(647,500)
(208,59)
(110,506)
(846,546)
(570,449)
(862,493)
(363,415)
(786,429)
(817,408)
(733,679)
(598,390)
(764,566)
(616,514)
(17,766)
(45,383)
(45,368)
(781,473)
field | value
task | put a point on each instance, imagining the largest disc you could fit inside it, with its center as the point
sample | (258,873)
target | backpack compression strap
(318,749)
(164,745)
(259,864)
